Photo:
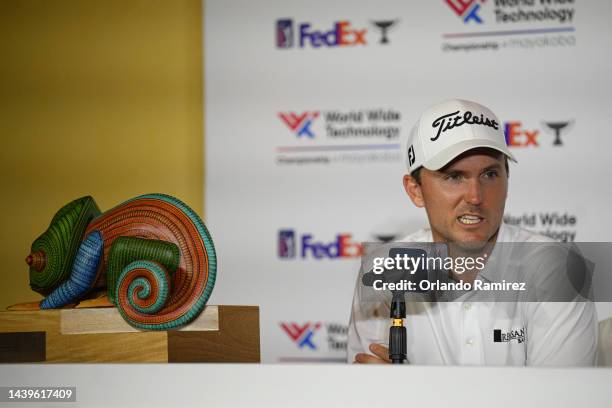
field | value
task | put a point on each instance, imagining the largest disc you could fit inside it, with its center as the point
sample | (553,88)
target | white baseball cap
(448,129)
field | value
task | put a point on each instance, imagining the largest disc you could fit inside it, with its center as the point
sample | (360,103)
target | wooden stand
(100,335)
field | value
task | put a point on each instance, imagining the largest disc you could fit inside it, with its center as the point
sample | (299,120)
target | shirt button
(469,342)
(467,306)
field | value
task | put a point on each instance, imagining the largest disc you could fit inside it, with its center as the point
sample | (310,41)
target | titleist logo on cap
(453,120)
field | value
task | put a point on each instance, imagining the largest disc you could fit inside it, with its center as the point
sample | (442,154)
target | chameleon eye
(37,260)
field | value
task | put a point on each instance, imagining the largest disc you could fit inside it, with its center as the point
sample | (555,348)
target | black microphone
(401,275)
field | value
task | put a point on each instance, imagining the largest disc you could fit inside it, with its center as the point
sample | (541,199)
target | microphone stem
(397,332)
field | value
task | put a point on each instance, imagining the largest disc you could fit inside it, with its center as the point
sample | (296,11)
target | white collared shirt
(483,333)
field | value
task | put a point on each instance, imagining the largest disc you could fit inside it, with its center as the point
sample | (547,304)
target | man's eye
(453,177)
(491,174)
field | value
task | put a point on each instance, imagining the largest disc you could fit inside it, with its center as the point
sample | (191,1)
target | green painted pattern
(60,243)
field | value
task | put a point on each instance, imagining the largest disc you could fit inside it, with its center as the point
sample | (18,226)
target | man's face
(464,200)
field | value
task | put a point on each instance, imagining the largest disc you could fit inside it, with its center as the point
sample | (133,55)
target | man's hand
(381,355)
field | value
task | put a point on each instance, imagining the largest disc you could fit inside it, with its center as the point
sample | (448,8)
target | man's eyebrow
(449,170)
(494,166)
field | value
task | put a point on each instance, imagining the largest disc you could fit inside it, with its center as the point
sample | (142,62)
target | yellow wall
(98,97)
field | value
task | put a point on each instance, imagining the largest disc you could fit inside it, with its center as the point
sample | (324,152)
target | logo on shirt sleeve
(500,336)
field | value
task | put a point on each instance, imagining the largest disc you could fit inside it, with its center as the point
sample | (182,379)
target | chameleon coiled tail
(176,260)
(145,285)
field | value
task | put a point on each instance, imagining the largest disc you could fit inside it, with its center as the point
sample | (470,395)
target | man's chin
(469,245)
(473,240)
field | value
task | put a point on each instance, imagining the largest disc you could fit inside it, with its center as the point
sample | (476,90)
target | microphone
(406,279)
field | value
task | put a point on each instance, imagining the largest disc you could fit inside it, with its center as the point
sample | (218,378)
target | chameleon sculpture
(153,254)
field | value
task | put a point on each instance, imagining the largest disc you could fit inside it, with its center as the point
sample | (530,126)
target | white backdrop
(304,140)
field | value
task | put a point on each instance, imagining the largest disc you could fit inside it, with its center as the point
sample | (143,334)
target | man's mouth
(469,219)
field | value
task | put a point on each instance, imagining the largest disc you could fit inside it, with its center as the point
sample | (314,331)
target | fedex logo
(341,34)
(299,123)
(342,247)
(301,334)
(516,136)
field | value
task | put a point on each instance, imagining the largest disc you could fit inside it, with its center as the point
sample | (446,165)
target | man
(457,162)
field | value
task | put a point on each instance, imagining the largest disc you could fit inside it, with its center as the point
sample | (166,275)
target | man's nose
(473,194)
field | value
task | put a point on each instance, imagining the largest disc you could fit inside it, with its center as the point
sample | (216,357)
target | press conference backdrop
(307,108)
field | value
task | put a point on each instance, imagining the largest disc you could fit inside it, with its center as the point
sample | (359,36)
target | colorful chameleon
(153,254)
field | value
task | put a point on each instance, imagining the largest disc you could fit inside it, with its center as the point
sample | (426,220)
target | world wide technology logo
(559,225)
(341,34)
(467,10)
(515,11)
(291,246)
(299,123)
(302,335)
(364,123)
(527,24)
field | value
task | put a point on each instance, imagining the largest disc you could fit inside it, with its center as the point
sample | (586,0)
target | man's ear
(414,190)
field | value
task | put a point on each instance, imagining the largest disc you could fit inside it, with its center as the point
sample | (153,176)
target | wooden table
(97,335)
